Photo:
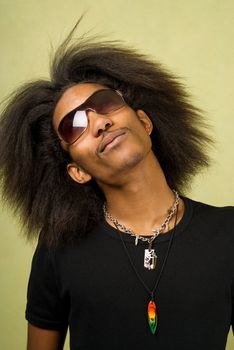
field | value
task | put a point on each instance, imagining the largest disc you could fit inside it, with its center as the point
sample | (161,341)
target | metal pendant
(150,259)
(136,240)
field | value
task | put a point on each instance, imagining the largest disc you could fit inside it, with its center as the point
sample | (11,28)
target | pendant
(150,259)
(152,316)
(136,240)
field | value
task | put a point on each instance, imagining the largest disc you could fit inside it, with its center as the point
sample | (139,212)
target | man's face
(111,146)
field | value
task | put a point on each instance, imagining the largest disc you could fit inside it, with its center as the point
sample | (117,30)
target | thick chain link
(156,231)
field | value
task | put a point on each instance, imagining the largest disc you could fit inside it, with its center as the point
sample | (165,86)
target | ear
(145,120)
(78,174)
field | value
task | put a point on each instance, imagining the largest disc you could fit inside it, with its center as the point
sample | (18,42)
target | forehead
(72,98)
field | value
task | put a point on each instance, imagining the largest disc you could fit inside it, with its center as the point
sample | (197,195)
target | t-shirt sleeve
(46,307)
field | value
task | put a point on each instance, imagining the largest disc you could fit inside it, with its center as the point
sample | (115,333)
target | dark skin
(127,172)
(43,339)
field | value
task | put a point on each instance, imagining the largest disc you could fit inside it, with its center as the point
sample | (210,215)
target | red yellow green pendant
(152,316)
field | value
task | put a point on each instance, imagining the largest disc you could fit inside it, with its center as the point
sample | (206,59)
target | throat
(135,229)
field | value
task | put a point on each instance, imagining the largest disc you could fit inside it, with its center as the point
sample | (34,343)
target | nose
(98,122)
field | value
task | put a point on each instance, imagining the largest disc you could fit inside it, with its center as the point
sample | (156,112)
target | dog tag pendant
(150,259)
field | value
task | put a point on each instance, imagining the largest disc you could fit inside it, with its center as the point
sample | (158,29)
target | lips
(110,137)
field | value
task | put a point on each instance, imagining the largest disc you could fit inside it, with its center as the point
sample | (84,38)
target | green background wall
(193,38)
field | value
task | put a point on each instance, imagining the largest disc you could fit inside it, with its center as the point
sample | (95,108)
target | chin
(130,162)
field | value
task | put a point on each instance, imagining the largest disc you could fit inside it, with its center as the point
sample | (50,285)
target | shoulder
(213,219)
(209,210)
(63,250)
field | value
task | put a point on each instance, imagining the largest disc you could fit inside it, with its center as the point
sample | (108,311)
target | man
(96,160)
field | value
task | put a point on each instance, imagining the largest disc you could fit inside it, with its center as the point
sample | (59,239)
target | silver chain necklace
(150,256)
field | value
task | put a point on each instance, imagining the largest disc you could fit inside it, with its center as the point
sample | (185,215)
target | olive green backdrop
(193,38)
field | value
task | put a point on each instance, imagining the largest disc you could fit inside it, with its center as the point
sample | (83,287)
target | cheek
(141,137)
(89,162)
(80,155)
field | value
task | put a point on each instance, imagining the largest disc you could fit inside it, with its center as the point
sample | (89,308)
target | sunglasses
(74,124)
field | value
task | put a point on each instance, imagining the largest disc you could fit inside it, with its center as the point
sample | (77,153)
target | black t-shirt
(92,288)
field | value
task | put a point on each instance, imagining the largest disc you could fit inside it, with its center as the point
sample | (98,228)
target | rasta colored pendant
(152,316)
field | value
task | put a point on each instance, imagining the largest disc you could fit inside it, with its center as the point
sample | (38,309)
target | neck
(142,198)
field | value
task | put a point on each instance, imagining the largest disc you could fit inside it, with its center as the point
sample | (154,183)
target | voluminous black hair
(33,164)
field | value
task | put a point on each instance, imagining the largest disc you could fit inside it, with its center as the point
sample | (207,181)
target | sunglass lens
(106,101)
(72,126)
